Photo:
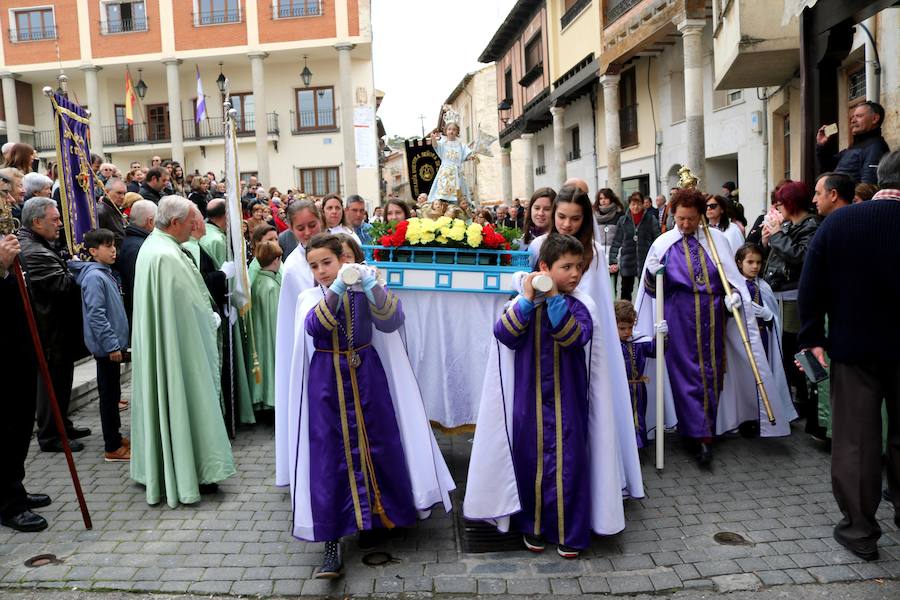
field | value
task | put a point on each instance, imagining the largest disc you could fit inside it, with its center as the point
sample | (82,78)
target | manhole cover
(727,538)
(377,559)
(42,559)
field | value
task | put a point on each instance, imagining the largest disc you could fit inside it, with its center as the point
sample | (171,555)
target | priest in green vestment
(213,242)
(179,446)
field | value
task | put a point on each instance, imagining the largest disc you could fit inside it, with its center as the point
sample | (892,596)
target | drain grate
(728,538)
(477,537)
(41,560)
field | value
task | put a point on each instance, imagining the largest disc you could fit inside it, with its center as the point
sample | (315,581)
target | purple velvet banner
(76,181)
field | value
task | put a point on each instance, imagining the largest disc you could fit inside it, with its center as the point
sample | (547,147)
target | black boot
(704,455)
(332,565)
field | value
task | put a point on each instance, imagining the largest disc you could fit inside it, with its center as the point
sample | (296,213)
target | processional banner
(76,180)
(422,165)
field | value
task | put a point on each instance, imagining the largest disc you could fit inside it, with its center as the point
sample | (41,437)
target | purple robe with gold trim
(550,420)
(695,351)
(636,354)
(357,479)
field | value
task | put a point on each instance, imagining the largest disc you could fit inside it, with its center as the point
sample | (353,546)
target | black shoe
(705,455)
(568,551)
(56,446)
(209,488)
(533,543)
(76,433)
(867,555)
(332,565)
(371,539)
(37,500)
(749,429)
(26,521)
(886,494)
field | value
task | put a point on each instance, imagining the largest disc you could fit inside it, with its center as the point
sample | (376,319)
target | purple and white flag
(201,99)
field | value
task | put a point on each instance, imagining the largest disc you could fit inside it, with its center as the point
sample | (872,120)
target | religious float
(453,279)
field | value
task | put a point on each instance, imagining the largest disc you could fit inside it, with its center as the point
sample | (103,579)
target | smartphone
(831,129)
(814,370)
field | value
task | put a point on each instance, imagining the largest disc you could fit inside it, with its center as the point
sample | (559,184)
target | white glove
(761,312)
(661,327)
(217,320)
(733,302)
(518,281)
(229,269)
(232,314)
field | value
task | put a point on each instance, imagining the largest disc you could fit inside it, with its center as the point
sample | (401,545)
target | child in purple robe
(357,482)
(636,352)
(550,408)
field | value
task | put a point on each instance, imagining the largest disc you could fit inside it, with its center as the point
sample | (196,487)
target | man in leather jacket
(56,300)
(860,160)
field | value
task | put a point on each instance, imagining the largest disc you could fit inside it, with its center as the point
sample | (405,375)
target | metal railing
(310,121)
(628,125)
(32,35)
(573,155)
(617,8)
(298,8)
(218,17)
(540,170)
(123,26)
(44,140)
(573,12)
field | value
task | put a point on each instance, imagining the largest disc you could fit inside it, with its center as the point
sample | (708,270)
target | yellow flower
(414,231)
(442,222)
(458,231)
(427,236)
(473,235)
(442,239)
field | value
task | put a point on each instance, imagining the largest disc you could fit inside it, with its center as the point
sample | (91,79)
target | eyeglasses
(709,206)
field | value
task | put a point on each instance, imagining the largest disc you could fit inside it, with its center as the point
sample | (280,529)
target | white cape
(431,480)
(295,278)
(492,493)
(611,377)
(739,400)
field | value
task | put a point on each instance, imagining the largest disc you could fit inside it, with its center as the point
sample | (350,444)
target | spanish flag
(130,99)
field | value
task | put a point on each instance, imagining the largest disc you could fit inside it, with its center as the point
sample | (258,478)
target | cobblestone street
(774,493)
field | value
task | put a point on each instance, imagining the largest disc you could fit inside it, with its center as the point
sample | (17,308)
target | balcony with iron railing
(123,26)
(617,8)
(628,125)
(32,34)
(298,8)
(540,170)
(573,12)
(312,121)
(218,17)
(158,133)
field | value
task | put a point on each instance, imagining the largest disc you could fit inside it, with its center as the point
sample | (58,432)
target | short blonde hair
(267,253)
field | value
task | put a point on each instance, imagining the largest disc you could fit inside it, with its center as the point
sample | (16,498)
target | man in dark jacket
(859,299)
(156,181)
(635,233)
(140,225)
(109,209)
(18,372)
(860,160)
(56,300)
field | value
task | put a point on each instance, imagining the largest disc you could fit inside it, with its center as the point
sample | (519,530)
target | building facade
(317,133)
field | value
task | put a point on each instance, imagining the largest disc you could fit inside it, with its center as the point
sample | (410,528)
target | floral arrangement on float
(444,233)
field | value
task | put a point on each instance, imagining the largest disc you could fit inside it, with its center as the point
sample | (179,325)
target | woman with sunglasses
(717,213)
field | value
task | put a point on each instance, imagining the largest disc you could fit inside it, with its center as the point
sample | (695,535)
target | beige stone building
(300,75)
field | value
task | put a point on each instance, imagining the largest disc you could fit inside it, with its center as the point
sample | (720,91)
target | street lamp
(503,109)
(306,74)
(221,81)
(141,87)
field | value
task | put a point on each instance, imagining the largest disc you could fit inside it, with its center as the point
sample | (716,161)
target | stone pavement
(774,493)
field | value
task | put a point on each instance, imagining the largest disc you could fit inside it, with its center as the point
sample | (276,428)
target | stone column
(260,118)
(692,38)
(348,136)
(610,83)
(11,106)
(506,174)
(559,143)
(528,143)
(176,131)
(93,101)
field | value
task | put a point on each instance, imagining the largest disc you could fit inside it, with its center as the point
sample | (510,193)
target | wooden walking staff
(688,180)
(7,226)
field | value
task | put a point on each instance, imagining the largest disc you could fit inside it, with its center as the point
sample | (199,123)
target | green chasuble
(214,244)
(254,268)
(178,438)
(266,289)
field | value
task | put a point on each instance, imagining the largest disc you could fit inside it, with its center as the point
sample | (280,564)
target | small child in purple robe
(356,458)
(550,407)
(636,353)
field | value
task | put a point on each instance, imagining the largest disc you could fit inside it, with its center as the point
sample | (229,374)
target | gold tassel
(257,370)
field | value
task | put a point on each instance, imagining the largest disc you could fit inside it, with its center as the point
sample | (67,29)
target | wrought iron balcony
(573,155)
(540,169)
(32,34)
(218,17)
(617,8)
(298,8)
(123,26)
(573,12)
